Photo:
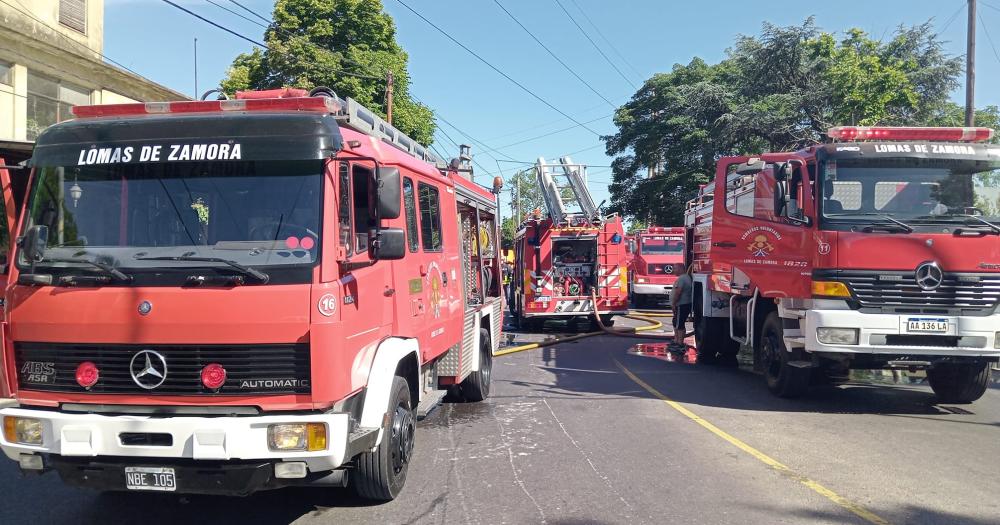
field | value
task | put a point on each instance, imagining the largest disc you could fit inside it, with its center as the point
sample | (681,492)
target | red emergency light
(314,104)
(910,133)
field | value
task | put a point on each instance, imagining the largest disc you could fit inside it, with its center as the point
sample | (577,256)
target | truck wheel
(783,379)
(959,382)
(711,336)
(380,474)
(476,387)
(608,320)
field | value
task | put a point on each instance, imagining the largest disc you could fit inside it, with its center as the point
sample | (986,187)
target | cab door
(8,214)
(766,249)
(437,268)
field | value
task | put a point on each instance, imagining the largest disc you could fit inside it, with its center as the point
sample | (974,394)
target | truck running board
(430,401)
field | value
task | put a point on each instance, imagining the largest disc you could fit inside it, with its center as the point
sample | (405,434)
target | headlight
(641,280)
(297,437)
(996,340)
(837,336)
(23,430)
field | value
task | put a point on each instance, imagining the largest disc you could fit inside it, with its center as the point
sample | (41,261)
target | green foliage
(526,196)
(779,90)
(347,45)
(508,227)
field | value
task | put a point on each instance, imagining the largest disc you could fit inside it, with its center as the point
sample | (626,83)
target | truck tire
(783,380)
(380,474)
(959,383)
(608,320)
(712,341)
(476,387)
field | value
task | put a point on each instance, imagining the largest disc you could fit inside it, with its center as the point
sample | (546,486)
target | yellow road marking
(856,509)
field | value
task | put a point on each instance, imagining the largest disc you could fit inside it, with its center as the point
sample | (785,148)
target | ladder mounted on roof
(564,190)
(363,120)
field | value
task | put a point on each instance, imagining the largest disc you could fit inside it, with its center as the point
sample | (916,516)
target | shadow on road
(579,374)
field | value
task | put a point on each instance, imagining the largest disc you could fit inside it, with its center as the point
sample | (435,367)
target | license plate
(150,478)
(930,326)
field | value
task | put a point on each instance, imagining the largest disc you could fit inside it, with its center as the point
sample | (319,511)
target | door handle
(444,278)
(724,244)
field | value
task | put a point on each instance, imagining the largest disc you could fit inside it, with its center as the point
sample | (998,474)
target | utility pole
(388,97)
(196,68)
(970,67)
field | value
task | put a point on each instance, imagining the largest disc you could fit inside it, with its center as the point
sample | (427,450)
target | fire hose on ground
(621,332)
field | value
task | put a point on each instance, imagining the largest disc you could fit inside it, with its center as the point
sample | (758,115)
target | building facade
(51,60)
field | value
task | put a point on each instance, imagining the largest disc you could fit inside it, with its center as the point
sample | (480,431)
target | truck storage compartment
(574,265)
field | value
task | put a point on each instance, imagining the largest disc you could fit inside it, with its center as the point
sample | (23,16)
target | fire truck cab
(878,250)
(652,272)
(234,295)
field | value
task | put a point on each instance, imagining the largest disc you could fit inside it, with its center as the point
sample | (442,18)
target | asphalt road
(569,437)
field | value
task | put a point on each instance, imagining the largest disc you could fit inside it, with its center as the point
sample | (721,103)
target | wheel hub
(401,438)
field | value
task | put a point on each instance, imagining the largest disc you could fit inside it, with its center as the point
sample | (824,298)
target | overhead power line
(989,38)
(952,18)
(494,68)
(251,11)
(234,13)
(553,55)
(261,44)
(605,39)
(597,47)
(556,132)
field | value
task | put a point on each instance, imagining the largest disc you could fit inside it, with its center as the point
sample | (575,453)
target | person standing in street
(680,302)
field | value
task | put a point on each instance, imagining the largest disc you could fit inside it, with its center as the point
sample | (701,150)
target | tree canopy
(347,45)
(779,90)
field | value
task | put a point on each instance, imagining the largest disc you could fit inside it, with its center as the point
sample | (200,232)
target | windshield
(913,190)
(134,216)
(660,245)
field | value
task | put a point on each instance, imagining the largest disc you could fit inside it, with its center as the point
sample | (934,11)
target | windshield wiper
(993,227)
(246,270)
(105,267)
(902,225)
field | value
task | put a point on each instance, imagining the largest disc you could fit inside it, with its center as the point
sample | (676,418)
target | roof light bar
(316,104)
(965,134)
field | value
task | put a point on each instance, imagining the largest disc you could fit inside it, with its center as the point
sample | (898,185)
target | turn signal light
(87,374)
(830,289)
(910,133)
(213,376)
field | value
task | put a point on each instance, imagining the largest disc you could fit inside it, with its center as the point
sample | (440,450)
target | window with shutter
(73,14)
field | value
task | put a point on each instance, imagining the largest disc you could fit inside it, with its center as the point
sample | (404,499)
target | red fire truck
(878,250)
(569,255)
(234,295)
(655,251)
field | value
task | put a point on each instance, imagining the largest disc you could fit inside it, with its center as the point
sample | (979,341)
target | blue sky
(156,40)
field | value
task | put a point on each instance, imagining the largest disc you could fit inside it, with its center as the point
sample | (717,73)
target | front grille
(250,369)
(660,269)
(897,292)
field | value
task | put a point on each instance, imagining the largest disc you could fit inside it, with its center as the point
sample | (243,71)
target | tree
(347,45)
(779,90)
(525,195)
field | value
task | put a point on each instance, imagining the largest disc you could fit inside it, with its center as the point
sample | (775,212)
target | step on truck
(570,260)
(657,255)
(877,250)
(224,296)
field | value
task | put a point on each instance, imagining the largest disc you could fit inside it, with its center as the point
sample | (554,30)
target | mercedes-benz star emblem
(145,307)
(148,369)
(929,276)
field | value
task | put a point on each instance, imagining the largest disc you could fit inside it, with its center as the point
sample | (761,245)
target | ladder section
(564,190)
(364,120)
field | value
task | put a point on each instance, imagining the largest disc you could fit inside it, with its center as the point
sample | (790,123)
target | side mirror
(780,197)
(389,193)
(34,242)
(750,167)
(784,172)
(389,244)
(631,246)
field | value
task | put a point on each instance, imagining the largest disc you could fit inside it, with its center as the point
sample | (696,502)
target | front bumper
(652,289)
(198,440)
(970,336)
